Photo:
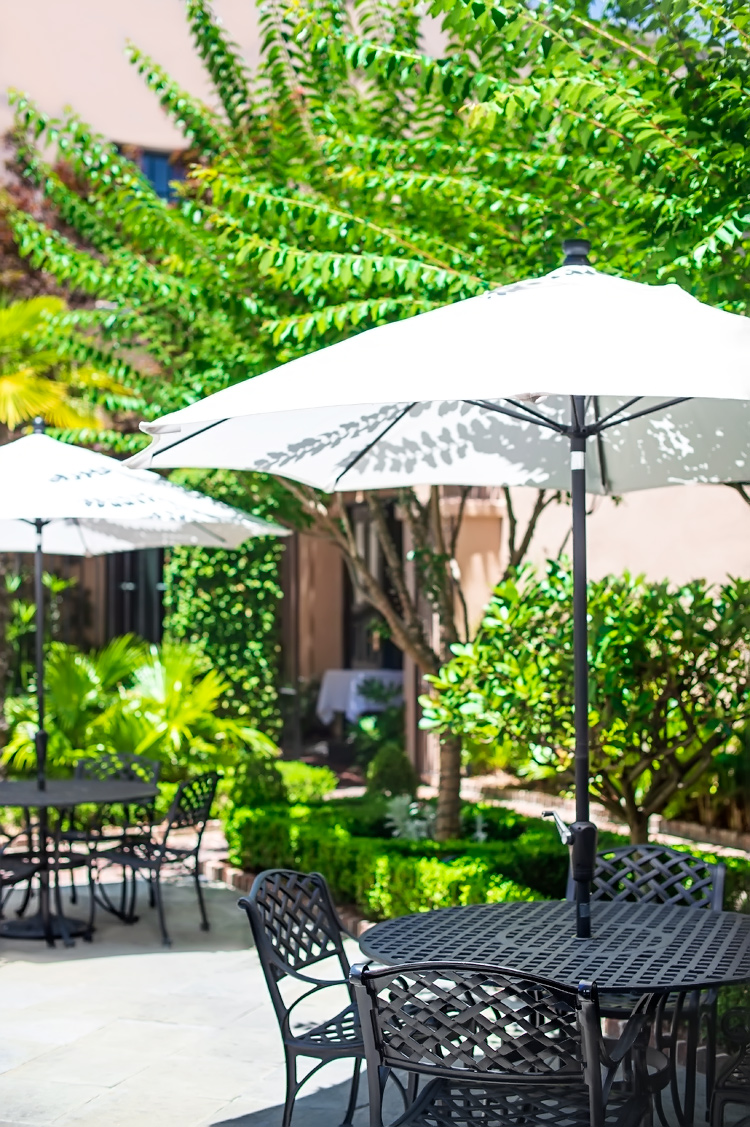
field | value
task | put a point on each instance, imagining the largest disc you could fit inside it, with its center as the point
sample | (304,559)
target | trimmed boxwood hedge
(386,877)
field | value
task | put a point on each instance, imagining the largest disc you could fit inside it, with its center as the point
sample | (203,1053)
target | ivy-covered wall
(228,601)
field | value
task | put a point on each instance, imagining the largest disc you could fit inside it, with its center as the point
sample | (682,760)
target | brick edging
(240,881)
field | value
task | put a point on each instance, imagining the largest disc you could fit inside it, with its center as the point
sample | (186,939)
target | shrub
(669,684)
(305,783)
(392,877)
(391,772)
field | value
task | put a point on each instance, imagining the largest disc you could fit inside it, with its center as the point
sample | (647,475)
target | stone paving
(123,1032)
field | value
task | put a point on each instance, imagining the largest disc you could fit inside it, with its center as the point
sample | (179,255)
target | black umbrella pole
(583,831)
(41,736)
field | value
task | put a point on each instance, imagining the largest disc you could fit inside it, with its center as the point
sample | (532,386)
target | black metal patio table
(60,794)
(634,948)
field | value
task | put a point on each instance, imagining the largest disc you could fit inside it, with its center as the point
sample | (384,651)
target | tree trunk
(638,829)
(448,823)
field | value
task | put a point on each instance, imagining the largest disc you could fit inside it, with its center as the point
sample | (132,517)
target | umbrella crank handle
(565,832)
(581,839)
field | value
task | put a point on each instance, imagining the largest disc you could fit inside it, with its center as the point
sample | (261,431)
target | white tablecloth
(341,691)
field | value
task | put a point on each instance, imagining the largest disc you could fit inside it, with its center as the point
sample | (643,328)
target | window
(159,169)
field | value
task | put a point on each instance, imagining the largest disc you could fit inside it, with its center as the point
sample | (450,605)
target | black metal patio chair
(733,1082)
(656,874)
(111,823)
(150,854)
(498,1047)
(17,866)
(295,927)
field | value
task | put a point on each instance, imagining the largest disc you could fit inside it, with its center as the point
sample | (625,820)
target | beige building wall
(72,53)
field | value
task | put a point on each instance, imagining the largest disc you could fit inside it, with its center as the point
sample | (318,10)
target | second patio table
(61,794)
(634,948)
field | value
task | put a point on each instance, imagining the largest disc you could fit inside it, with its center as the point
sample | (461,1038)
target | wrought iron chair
(295,927)
(17,866)
(499,1047)
(733,1082)
(111,823)
(656,874)
(149,854)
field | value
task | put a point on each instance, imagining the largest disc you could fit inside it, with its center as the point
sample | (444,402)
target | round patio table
(634,948)
(61,794)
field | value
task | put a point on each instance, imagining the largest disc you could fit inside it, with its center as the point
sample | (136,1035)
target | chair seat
(342,1036)
(143,854)
(16,867)
(444,1103)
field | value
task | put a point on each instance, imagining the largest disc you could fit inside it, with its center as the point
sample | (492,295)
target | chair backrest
(119,765)
(295,926)
(479,1025)
(655,874)
(191,805)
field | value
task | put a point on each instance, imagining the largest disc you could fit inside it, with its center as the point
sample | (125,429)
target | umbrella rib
(530,417)
(193,434)
(618,410)
(366,449)
(646,411)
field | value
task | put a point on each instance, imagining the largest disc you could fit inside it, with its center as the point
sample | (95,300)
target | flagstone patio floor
(121,1032)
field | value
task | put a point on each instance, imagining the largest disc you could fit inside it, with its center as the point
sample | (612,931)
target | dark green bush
(269,782)
(390,877)
(305,783)
(392,772)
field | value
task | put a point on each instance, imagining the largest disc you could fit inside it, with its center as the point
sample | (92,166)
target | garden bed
(385,876)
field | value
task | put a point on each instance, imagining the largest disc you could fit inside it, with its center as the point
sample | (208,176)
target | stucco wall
(72,53)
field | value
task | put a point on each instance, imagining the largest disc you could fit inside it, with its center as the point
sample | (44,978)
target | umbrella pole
(40,738)
(583,831)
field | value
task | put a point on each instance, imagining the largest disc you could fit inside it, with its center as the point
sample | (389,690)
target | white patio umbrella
(513,387)
(66,500)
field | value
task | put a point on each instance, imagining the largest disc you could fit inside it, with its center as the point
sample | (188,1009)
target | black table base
(58,927)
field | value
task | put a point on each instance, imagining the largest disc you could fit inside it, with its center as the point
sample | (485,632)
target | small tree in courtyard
(669,681)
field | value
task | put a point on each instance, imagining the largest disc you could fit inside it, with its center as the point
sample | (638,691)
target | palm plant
(128,697)
(36,378)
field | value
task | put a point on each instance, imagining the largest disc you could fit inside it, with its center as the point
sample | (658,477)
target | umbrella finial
(576,252)
(38,425)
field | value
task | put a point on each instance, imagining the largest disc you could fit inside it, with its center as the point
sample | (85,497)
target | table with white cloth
(341,691)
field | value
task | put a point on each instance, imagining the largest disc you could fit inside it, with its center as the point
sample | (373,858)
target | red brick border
(352,919)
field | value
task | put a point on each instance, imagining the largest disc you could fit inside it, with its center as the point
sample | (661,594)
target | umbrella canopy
(401,403)
(67,500)
(90,504)
(574,380)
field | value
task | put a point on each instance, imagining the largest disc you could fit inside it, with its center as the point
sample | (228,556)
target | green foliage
(668,688)
(392,772)
(383,878)
(160,702)
(226,602)
(37,374)
(266,781)
(373,730)
(305,783)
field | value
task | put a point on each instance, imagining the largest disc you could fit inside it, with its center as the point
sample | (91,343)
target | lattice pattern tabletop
(635,948)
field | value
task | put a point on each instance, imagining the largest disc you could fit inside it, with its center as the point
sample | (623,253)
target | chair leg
(26,898)
(291,1089)
(351,1107)
(204,918)
(711,1038)
(167,942)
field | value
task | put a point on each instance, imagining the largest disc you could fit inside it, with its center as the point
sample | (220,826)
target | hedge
(388,877)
